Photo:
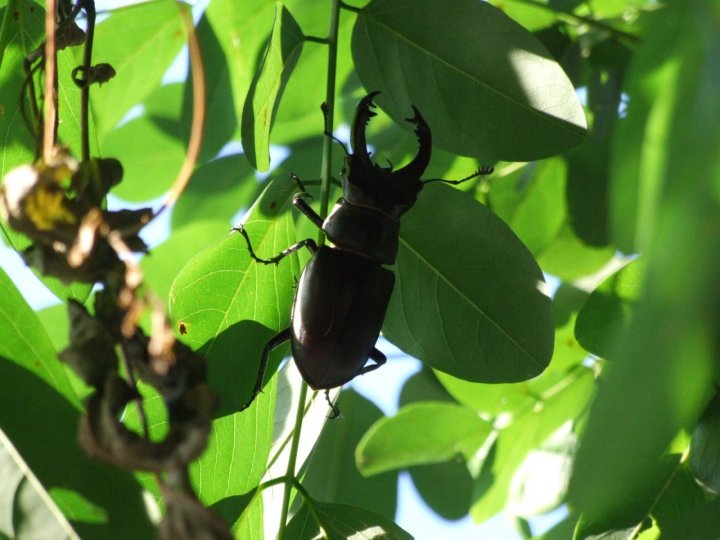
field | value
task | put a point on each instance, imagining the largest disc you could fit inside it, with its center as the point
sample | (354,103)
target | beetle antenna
(482,171)
(325,108)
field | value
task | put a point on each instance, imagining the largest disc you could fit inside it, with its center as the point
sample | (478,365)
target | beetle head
(365,183)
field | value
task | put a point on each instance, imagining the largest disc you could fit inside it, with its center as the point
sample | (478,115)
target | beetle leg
(308,243)
(300,204)
(271,345)
(377,357)
(334,408)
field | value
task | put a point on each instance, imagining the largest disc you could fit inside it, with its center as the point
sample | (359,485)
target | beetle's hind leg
(307,243)
(271,345)
(377,357)
(334,408)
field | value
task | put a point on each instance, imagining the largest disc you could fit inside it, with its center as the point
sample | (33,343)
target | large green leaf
(164,262)
(228,306)
(341,521)
(485,85)
(638,157)
(667,364)
(468,297)
(26,509)
(35,391)
(705,448)
(421,433)
(608,311)
(267,87)
(140,42)
(560,404)
(568,258)
(217,191)
(532,201)
(332,475)
(150,147)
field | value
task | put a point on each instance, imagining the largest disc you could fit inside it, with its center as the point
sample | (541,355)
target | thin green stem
(292,460)
(326,177)
(582,19)
(326,172)
(311,507)
(89,6)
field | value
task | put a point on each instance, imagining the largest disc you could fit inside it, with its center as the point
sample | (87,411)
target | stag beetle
(345,289)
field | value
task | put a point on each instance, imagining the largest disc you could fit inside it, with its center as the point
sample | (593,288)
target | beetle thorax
(364,231)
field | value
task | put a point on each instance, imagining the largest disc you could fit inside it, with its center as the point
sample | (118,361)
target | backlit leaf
(485,85)
(468,295)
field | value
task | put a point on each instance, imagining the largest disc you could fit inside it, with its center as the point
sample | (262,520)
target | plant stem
(582,19)
(89,6)
(292,460)
(197,73)
(325,175)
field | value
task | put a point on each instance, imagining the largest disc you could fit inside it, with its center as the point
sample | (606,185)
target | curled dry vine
(58,202)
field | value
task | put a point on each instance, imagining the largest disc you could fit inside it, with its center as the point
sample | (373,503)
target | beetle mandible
(345,289)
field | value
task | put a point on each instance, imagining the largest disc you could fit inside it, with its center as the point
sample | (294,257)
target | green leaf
(423,386)
(568,258)
(26,509)
(420,433)
(341,521)
(488,400)
(467,297)
(35,391)
(299,113)
(150,147)
(332,475)
(164,262)
(705,448)
(666,366)
(638,156)
(666,499)
(240,30)
(217,190)
(700,522)
(561,404)
(227,307)
(445,487)
(220,101)
(525,14)
(25,32)
(608,311)
(531,200)
(479,79)
(139,42)
(266,89)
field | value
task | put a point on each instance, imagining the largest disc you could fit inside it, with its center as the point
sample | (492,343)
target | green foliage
(598,393)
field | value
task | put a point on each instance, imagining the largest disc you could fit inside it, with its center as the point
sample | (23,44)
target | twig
(50,101)
(198,119)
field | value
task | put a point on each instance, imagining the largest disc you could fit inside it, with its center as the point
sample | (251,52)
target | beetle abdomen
(337,315)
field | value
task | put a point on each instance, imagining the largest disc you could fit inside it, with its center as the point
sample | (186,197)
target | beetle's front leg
(271,345)
(307,243)
(300,204)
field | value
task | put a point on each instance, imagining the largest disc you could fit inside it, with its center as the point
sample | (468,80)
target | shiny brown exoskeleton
(344,290)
